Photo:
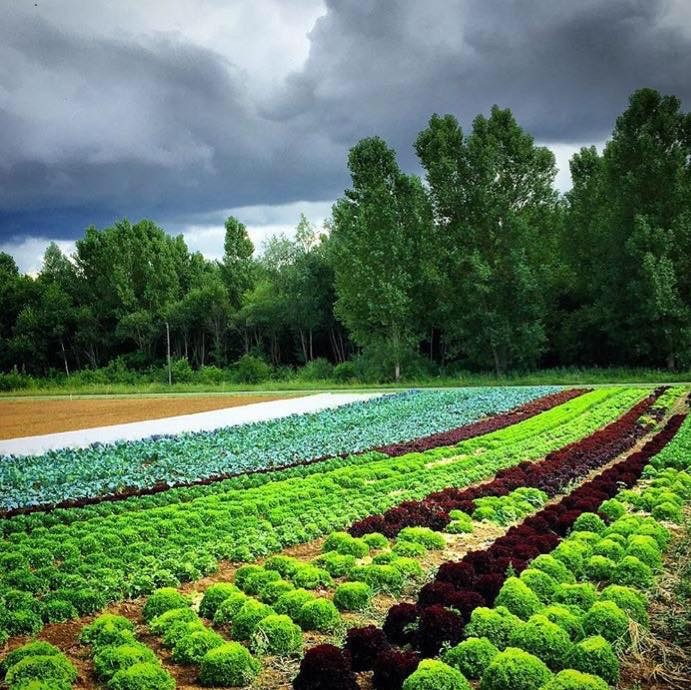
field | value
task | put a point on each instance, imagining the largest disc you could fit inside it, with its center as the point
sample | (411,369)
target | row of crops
(534,490)
(130,466)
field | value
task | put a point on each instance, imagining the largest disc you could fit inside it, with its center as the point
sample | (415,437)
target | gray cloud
(181,110)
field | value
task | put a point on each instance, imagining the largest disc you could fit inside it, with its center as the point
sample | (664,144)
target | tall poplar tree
(378,228)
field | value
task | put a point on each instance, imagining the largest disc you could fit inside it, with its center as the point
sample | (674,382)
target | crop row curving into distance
(525,520)
(161,462)
(533,603)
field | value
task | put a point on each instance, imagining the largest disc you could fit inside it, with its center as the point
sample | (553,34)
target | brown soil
(31,417)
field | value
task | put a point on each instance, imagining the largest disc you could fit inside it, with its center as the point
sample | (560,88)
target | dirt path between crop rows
(20,418)
(277,673)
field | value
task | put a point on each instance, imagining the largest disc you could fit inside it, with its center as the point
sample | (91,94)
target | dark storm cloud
(565,68)
(94,127)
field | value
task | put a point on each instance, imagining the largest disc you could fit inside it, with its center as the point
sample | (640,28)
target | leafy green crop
(101,469)
(119,550)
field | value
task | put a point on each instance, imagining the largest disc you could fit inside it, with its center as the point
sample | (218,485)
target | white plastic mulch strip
(200,421)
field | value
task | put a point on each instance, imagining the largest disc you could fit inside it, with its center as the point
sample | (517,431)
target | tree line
(481,264)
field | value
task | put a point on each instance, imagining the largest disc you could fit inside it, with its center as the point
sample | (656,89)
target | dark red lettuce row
(483,426)
(551,474)
(476,579)
(423,628)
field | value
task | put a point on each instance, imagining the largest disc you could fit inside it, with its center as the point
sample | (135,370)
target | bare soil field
(46,416)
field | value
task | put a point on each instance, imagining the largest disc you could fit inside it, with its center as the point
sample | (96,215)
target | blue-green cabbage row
(102,470)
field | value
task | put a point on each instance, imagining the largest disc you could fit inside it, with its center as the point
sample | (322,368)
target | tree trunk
(397,371)
(64,357)
(311,351)
(302,344)
(170,370)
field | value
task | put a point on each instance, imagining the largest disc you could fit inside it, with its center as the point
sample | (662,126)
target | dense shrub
(251,369)
(352,596)
(545,639)
(518,598)
(497,625)
(325,667)
(142,676)
(515,669)
(435,675)
(214,597)
(181,370)
(472,656)
(318,369)
(277,634)
(190,648)
(248,617)
(163,600)
(318,614)
(344,372)
(109,660)
(575,680)
(595,655)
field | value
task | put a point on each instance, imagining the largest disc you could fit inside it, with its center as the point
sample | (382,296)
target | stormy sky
(187,110)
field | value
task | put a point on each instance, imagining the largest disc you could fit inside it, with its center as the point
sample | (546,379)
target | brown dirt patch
(31,417)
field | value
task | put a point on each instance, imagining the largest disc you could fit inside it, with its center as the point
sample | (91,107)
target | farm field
(495,538)
(28,417)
